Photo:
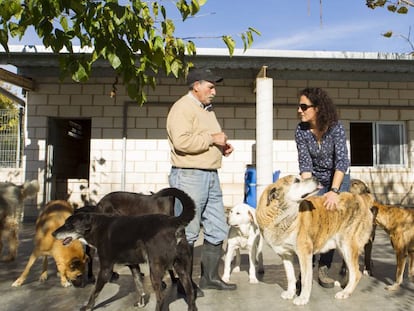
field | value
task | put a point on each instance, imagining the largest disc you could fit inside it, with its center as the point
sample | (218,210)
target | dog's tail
(187,202)
(29,189)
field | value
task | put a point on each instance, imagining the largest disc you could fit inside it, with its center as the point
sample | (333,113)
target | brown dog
(293,221)
(11,206)
(70,260)
(398,222)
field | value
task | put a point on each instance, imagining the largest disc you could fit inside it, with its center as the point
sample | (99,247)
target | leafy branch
(137,39)
(399,7)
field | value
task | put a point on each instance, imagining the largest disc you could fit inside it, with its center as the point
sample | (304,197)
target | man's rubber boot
(210,260)
(323,278)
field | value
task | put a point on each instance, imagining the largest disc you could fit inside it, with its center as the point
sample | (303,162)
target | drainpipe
(264,131)
(124,143)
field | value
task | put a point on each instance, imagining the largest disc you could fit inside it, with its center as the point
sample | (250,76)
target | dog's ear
(273,195)
(251,217)
(306,206)
(374,211)
(87,221)
(75,264)
(358,187)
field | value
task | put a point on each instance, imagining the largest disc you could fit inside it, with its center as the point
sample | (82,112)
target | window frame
(402,143)
(376,125)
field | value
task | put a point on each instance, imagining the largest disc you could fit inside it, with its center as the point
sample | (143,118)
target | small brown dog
(398,222)
(12,197)
(70,260)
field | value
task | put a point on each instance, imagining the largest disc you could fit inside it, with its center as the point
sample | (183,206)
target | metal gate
(11,140)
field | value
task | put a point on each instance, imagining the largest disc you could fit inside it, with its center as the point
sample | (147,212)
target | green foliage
(5,102)
(137,39)
(396,6)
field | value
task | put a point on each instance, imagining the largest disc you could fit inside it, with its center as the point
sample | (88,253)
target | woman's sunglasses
(305,107)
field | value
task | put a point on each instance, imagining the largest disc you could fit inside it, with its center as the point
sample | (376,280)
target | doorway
(68,156)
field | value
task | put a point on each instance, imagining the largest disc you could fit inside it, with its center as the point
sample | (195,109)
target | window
(377,143)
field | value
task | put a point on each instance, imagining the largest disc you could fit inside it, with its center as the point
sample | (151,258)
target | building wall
(147,152)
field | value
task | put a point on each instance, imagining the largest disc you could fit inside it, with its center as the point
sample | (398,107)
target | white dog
(244,233)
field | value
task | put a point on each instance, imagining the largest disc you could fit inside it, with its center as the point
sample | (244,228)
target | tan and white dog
(292,221)
(398,222)
(70,260)
(12,198)
(244,233)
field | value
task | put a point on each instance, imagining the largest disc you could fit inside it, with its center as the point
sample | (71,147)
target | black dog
(132,240)
(133,204)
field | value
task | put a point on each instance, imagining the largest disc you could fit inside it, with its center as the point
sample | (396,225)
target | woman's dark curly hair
(326,116)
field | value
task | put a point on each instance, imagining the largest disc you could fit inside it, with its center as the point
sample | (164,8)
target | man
(197,146)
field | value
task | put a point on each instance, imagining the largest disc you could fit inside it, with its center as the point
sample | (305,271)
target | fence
(11,140)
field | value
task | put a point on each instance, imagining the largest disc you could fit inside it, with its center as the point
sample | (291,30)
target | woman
(323,154)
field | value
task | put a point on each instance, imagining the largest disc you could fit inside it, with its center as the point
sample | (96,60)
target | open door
(68,155)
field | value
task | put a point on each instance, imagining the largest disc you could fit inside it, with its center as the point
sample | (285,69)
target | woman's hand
(331,200)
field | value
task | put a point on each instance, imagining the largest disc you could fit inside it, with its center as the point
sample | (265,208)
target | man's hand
(219,139)
(227,150)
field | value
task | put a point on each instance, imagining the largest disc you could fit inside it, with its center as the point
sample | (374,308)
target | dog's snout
(79,281)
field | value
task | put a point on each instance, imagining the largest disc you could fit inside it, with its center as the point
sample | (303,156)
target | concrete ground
(369,294)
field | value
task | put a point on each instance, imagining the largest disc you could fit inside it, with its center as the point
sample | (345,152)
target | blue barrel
(250,187)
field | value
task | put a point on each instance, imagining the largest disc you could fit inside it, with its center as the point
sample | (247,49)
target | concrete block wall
(146,152)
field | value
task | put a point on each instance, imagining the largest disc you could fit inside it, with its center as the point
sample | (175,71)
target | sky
(333,25)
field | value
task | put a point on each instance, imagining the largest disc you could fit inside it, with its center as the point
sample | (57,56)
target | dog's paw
(226,279)
(66,283)
(8,258)
(18,282)
(392,287)
(141,302)
(300,301)
(236,269)
(343,294)
(43,277)
(287,294)
(253,280)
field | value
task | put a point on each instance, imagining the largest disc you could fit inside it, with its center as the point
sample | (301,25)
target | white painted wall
(147,159)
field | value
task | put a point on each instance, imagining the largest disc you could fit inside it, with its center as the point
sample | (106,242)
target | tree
(5,102)
(137,38)
(395,6)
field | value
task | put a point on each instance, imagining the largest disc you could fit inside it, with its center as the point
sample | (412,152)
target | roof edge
(40,49)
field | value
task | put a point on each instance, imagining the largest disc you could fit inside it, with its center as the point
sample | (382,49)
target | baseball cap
(198,74)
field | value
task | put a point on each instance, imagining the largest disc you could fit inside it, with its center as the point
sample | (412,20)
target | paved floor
(117,296)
